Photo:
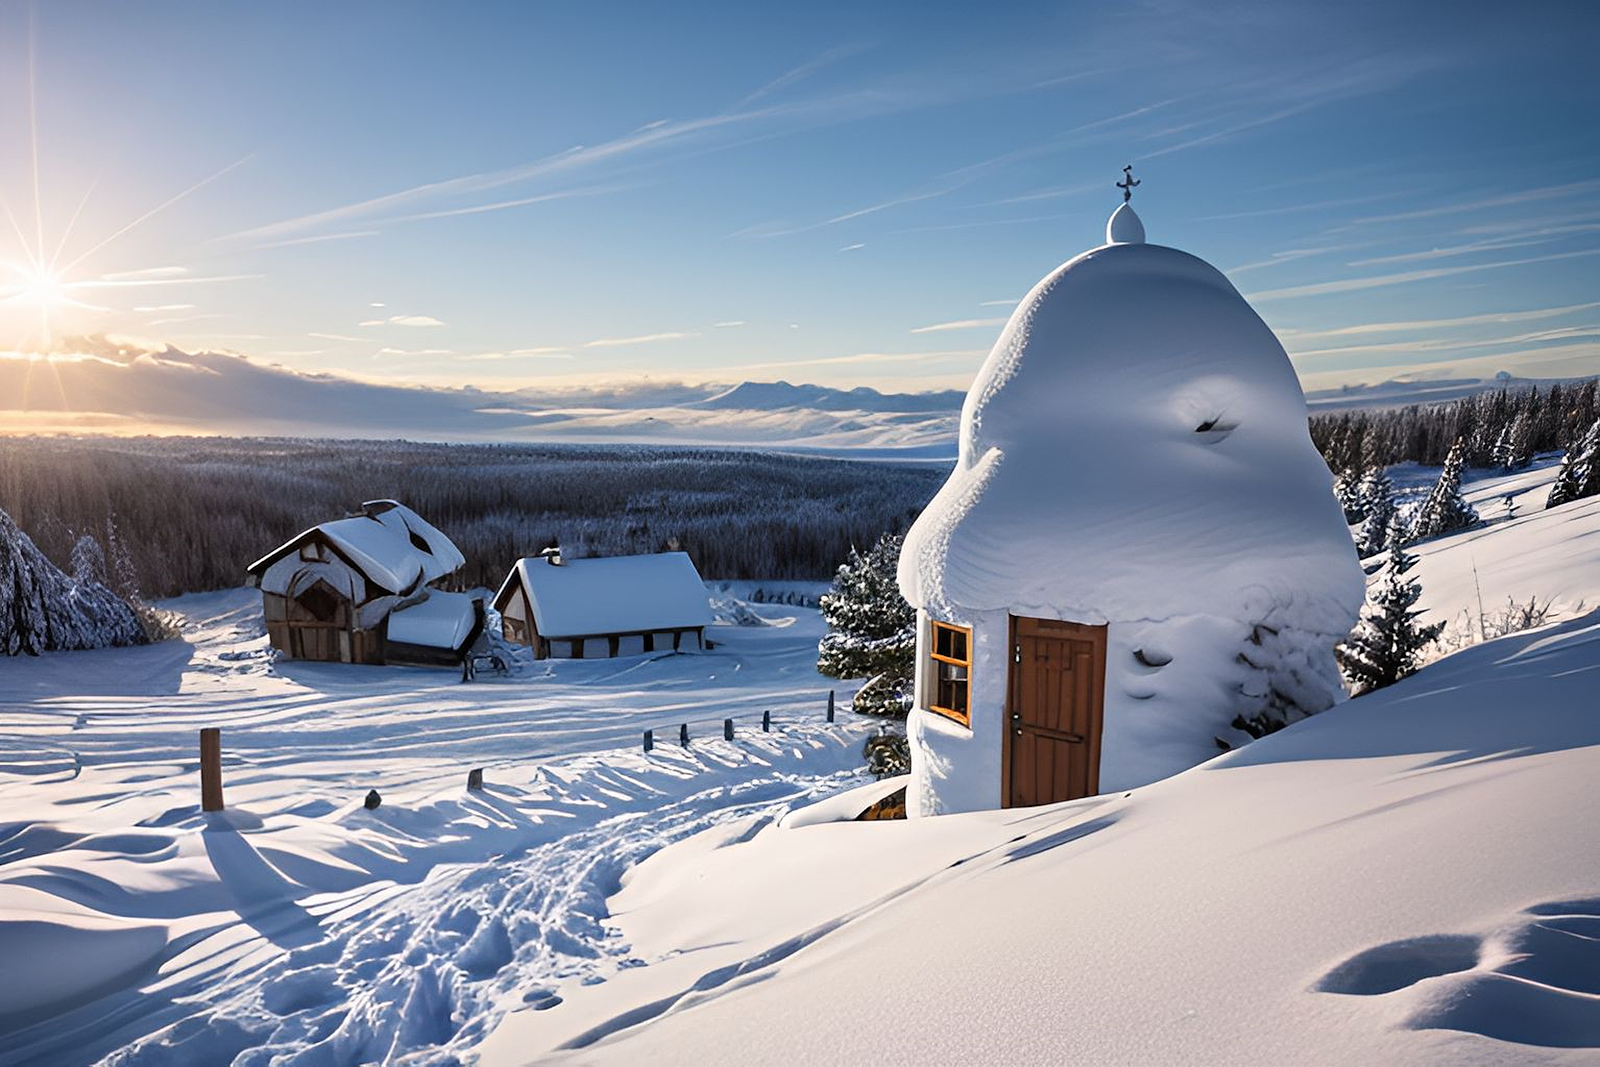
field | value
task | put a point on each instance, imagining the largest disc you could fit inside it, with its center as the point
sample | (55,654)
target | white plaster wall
(953,768)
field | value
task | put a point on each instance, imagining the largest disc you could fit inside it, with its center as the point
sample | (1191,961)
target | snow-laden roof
(612,594)
(391,544)
(1135,447)
(443,620)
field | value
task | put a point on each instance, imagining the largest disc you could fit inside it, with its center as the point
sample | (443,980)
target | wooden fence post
(683,735)
(766,722)
(727,729)
(211,769)
(830,705)
(649,740)
(475,780)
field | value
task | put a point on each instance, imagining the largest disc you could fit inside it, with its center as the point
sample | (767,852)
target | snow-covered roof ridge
(391,544)
(1135,446)
(612,594)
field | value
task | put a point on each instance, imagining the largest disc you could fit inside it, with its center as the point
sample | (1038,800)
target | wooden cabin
(360,590)
(604,606)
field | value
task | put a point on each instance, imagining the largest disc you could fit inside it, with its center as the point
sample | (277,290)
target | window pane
(941,640)
(958,645)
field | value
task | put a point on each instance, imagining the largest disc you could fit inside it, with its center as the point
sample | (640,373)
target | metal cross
(1127,183)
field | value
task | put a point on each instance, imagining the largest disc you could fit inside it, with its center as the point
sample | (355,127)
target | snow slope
(298,924)
(1409,878)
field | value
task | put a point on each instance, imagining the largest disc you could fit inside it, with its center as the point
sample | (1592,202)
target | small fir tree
(1524,437)
(1347,488)
(872,631)
(1445,510)
(1579,475)
(1378,507)
(1385,645)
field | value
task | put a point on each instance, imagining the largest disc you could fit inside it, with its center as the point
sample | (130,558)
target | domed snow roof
(1135,447)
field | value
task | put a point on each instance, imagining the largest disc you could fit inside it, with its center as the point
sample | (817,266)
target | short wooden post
(683,735)
(475,780)
(727,729)
(211,769)
(830,705)
(649,740)
(766,722)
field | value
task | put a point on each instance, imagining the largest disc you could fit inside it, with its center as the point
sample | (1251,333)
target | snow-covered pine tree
(1579,475)
(1500,451)
(1347,488)
(872,631)
(1384,646)
(1524,435)
(1445,510)
(88,561)
(42,609)
(1378,507)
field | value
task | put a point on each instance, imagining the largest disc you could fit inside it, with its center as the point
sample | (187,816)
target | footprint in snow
(1534,982)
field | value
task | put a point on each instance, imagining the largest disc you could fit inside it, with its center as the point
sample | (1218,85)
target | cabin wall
(954,768)
(1158,721)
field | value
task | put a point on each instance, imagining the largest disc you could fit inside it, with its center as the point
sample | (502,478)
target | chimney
(552,555)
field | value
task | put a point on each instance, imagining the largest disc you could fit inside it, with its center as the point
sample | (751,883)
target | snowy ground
(300,924)
(1412,877)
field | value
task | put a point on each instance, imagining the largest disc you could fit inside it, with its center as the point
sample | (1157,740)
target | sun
(41,288)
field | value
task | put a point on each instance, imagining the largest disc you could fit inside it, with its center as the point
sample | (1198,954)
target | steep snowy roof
(612,594)
(443,620)
(391,544)
(1135,446)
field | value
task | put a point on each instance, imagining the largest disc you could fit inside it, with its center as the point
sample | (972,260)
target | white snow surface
(1409,878)
(615,594)
(381,546)
(297,927)
(441,620)
(1083,490)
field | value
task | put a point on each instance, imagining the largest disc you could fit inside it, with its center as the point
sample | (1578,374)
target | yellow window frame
(962,717)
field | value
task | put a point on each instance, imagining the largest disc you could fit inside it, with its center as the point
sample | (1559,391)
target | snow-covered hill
(1408,878)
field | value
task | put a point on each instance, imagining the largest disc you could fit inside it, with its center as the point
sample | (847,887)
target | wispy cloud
(729,324)
(861,357)
(959,324)
(339,337)
(165,307)
(1278,259)
(403,320)
(1544,236)
(1349,285)
(291,242)
(1445,344)
(1413,325)
(1295,209)
(854,247)
(998,303)
(518,353)
(798,74)
(1526,196)
(415,351)
(642,339)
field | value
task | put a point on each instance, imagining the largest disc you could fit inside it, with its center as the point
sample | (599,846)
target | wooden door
(1055,713)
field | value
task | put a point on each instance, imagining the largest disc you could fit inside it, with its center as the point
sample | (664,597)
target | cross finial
(1127,183)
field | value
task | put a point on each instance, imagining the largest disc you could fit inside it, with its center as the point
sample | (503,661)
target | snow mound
(1135,447)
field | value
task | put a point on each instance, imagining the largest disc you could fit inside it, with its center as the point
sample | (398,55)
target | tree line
(189,514)
(1502,428)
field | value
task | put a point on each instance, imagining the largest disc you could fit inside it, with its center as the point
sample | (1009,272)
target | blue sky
(511,194)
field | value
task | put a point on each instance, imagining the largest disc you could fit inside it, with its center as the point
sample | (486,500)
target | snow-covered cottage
(604,606)
(358,590)
(1138,554)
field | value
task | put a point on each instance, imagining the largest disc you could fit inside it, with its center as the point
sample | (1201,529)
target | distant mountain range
(116,388)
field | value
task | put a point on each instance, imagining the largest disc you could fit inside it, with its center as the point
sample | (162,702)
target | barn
(359,590)
(604,606)
(1138,558)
